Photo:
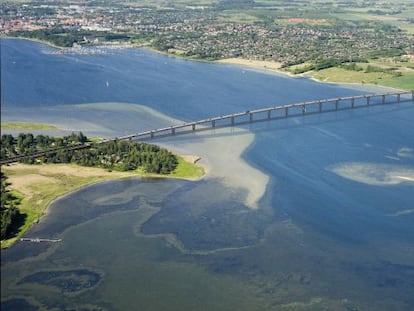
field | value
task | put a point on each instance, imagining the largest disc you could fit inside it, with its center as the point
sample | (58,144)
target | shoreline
(41,185)
(267,66)
(275,68)
(35,40)
(263,66)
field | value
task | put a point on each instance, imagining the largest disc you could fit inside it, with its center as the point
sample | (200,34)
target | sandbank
(221,153)
(375,174)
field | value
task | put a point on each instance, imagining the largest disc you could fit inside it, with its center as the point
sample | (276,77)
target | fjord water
(334,229)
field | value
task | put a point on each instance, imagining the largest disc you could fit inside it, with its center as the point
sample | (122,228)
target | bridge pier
(213,123)
(286,112)
(152,134)
(320,106)
(269,114)
(232,121)
(173,131)
(193,127)
(398,98)
(383,99)
(368,100)
(336,104)
(251,117)
(353,102)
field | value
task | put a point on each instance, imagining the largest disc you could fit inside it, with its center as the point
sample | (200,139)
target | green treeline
(10,215)
(321,64)
(112,155)
(57,36)
(126,156)
(66,38)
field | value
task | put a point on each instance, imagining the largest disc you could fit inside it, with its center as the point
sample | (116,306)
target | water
(333,231)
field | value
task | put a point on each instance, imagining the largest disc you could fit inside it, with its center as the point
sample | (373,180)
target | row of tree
(10,215)
(116,154)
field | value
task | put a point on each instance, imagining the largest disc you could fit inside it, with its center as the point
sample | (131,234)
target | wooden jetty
(38,240)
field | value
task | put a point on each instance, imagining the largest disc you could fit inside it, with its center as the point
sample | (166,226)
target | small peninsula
(30,187)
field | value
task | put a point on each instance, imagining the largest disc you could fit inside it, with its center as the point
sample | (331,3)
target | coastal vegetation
(390,72)
(29,187)
(10,214)
(23,126)
(112,155)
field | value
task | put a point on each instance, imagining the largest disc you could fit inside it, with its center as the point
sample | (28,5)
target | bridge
(276,112)
(270,113)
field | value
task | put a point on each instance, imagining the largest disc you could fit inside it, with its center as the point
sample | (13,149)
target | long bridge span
(270,113)
(276,112)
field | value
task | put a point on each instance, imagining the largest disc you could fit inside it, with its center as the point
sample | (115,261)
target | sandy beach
(255,64)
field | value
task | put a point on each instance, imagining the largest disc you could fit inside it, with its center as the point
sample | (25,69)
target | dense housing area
(288,32)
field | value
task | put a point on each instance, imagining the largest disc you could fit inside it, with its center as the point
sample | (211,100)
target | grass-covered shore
(393,72)
(23,126)
(387,72)
(397,76)
(39,185)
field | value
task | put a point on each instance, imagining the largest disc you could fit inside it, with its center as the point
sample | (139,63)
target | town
(298,38)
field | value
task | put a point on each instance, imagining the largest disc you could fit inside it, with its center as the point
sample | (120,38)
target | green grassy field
(339,75)
(27,126)
(405,82)
(188,170)
(238,17)
(398,15)
(389,72)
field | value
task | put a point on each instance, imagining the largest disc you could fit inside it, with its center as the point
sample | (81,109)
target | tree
(10,215)
(115,154)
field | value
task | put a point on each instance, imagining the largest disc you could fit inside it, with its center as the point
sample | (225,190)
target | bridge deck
(284,111)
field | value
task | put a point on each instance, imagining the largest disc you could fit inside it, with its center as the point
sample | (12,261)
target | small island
(30,186)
